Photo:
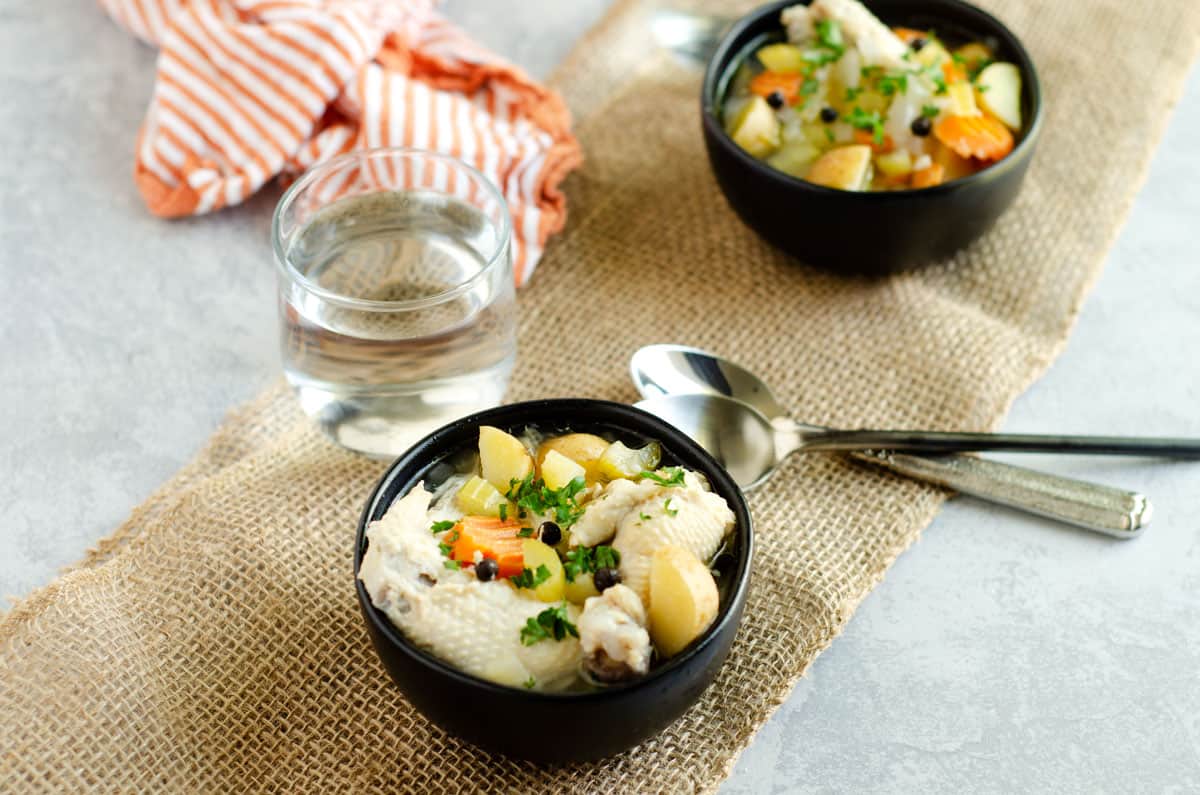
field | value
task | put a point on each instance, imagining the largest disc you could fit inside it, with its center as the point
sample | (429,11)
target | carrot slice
(786,83)
(975,136)
(933,174)
(953,71)
(907,35)
(867,138)
(491,537)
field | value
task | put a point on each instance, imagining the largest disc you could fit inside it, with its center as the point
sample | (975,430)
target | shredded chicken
(612,633)
(876,43)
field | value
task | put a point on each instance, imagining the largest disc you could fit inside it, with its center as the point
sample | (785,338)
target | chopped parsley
(890,84)
(829,135)
(503,511)
(550,623)
(530,683)
(973,73)
(530,579)
(871,122)
(674,476)
(644,516)
(583,560)
(452,564)
(809,87)
(870,72)
(525,532)
(669,510)
(441,527)
(829,34)
(534,496)
(939,84)
(982,89)
(852,94)
(930,111)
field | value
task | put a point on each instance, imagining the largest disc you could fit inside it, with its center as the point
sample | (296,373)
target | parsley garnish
(644,516)
(893,83)
(441,527)
(534,496)
(674,476)
(829,135)
(871,122)
(503,511)
(452,564)
(531,579)
(446,545)
(809,87)
(939,84)
(550,623)
(582,560)
(669,510)
(852,94)
(530,683)
(525,532)
(930,111)
(982,89)
(982,64)
(871,71)
(958,59)
(829,34)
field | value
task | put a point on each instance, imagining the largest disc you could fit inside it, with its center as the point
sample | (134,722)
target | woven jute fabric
(213,643)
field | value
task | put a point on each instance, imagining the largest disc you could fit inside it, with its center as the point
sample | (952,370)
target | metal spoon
(689,388)
(664,369)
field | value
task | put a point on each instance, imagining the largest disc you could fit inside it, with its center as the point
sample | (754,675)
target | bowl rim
(659,429)
(715,69)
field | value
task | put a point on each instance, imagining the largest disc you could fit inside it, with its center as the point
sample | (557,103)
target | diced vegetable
(537,554)
(932,54)
(953,165)
(974,55)
(846,168)
(795,158)
(558,470)
(579,447)
(620,461)
(502,457)
(927,177)
(683,599)
(786,83)
(497,539)
(953,72)
(755,128)
(480,498)
(895,165)
(962,99)
(782,58)
(981,137)
(578,591)
(867,138)
(999,93)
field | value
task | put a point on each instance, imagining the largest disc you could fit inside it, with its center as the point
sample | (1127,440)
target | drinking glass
(396,298)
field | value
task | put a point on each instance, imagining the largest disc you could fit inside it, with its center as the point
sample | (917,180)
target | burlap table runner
(214,643)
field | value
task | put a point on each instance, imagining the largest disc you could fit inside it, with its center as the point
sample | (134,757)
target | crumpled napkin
(247,90)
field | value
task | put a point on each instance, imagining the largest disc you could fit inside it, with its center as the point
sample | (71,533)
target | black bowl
(865,233)
(557,727)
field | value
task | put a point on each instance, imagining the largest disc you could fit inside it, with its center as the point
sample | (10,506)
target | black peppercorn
(486,569)
(921,126)
(775,99)
(550,533)
(829,115)
(917,43)
(606,578)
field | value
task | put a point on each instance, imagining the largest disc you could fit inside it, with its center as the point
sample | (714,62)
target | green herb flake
(607,557)
(645,517)
(674,476)
(982,89)
(890,84)
(669,510)
(530,683)
(441,527)
(452,564)
(531,579)
(535,497)
(939,85)
(829,135)
(829,34)
(871,122)
(550,623)
(503,511)
(930,111)
(852,94)
(809,87)
(525,532)
(871,72)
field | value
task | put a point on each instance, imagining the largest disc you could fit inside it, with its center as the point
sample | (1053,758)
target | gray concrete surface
(1000,654)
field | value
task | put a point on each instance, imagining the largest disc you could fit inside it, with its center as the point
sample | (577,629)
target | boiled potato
(502,458)
(953,165)
(782,58)
(795,158)
(578,590)
(683,599)
(999,92)
(973,55)
(755,128)
(619,461)
(477,497)
(579,447)
(558,470)
(896,164)
(846,167)
(538,554)
(962,99)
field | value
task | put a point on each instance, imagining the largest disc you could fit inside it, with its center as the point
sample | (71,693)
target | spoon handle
(1101,509)
(942,442)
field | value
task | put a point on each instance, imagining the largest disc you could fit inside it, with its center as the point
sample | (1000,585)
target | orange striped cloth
(250,89)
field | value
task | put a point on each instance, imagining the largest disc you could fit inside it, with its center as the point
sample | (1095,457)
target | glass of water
(396,295)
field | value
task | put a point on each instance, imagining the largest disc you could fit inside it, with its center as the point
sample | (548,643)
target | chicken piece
(690,517)
(874,40)
(612,633)
(798,22)
(475,626)
(600,517)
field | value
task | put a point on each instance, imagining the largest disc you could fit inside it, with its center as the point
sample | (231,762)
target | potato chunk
(558,470)
(683,599)
(999,93)
(755,128)
(538,554)
(845,168)
(502,458)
